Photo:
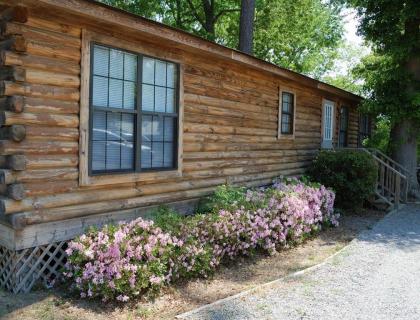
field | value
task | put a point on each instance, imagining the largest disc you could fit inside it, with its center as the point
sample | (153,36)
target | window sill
(129,177)
(283,136)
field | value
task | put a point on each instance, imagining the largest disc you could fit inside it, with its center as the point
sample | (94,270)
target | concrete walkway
(376,277)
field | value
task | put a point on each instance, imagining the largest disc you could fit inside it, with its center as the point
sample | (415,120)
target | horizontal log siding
(230,129)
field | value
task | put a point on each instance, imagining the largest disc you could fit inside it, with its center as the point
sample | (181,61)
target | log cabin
(106,115)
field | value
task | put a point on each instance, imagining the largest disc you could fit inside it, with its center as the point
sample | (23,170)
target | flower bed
(127,260)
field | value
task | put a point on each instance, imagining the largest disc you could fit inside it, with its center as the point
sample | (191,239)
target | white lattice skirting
(21,270)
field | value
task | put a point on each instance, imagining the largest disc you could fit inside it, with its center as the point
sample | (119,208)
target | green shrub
(351,174)
(224,197)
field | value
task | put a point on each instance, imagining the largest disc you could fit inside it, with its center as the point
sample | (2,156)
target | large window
(133,112)
(287,113)
(344,124)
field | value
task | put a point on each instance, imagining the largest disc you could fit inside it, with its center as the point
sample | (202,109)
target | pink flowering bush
(121,262)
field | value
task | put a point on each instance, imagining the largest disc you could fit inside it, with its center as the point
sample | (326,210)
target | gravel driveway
(376,277)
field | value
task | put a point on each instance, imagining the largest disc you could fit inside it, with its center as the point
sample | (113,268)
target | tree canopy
(392,73)
(302,35)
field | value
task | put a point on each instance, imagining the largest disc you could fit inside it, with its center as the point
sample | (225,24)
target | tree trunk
(404,151)
(246,26)
(208,6)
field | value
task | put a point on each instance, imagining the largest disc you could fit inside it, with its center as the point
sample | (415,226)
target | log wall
(230,124)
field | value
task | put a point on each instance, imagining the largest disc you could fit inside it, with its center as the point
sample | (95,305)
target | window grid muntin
(328,122)
(287,113)
(137,112)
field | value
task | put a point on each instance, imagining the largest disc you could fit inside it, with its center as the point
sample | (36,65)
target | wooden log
(58,26)
(13,104)
(53,50)
(36,147)
(16,13)
(45,161)
(9,118)
(10,177)
(193,156)
(8,58)
(52,78)
(223,112)
(52,133)
(10,28)
(8,88)
(13,74)
(206,128)
(14,132)
(14,43)
(13,191)
(50,188)
(41,105)
(13,162)
(216,102)
(228,121)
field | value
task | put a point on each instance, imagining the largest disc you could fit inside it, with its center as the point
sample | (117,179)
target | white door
(328,124)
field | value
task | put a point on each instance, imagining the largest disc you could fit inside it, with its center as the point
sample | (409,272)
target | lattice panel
(21,270)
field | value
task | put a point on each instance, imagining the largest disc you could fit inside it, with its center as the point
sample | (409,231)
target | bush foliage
(126,260)
(351,174)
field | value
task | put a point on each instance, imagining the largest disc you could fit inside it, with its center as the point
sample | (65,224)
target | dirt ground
(243,274)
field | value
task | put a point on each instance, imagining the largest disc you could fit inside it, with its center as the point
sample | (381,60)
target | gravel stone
(376,277)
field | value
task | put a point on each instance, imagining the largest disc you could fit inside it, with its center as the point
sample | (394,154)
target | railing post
(397,190)
(382,178)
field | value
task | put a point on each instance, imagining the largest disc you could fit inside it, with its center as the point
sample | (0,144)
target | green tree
(392,73)
(344,75)
(301,35)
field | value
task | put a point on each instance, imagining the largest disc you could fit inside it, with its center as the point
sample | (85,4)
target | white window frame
(327,133)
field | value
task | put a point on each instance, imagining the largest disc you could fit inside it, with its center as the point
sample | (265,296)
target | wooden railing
(392,184)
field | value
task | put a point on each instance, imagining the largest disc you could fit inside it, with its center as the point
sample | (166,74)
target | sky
(351,38)
(350,27)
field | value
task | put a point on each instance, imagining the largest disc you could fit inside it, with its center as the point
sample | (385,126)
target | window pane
(116,64)
(286,107)
(157,129)
(160,76)
(168,152)
(157,155)
(113,155)
(98,155)
(113,126)
(286,97)
(160,98)
(99,125)
(129,95)
(127,127)
(100,61)
(146,129)
(148,97)
(146,155)
(170,100)
(130,67)
(127,155)
(148,70)
(285,118)
(171,75)
(100,91)
(169,129)
(285,127)
(115,93)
